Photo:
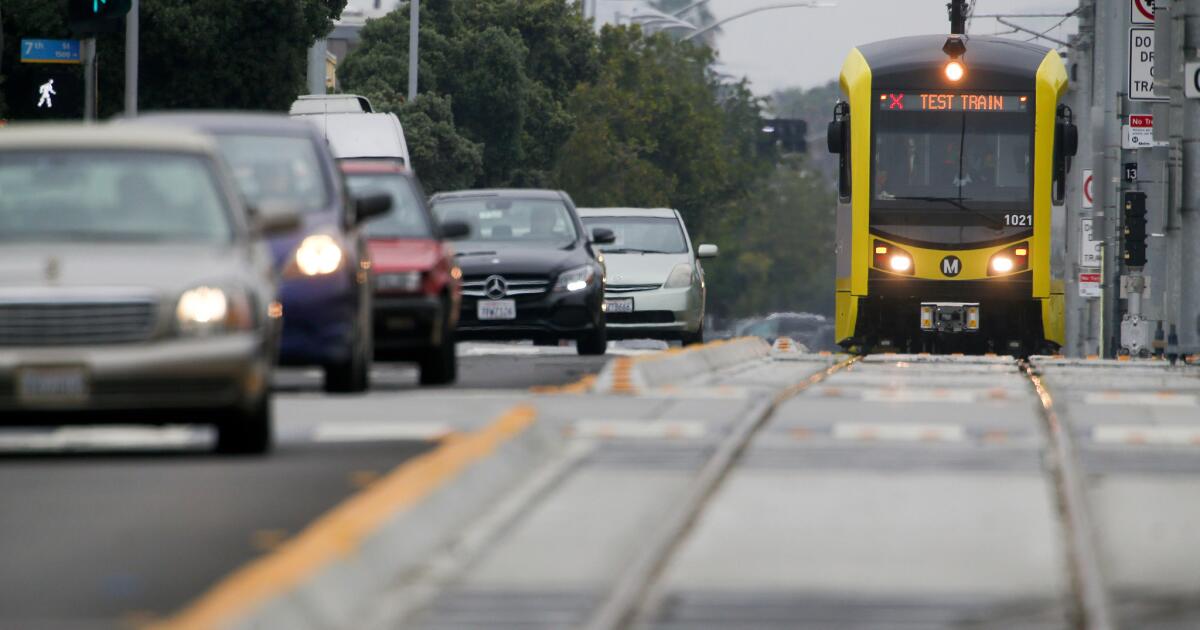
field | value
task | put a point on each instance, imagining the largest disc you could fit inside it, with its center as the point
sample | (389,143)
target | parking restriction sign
(1141,11)
(1141,65)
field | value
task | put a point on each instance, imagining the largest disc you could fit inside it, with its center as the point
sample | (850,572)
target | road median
(329,573)
(631,375)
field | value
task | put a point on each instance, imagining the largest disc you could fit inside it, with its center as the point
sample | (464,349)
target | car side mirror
(371,206)
(455,229)
(603,236)
(707,250)
(273,218)
(835,136)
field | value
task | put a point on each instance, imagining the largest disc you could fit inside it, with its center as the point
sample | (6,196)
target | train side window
(838,140)
(1066,142)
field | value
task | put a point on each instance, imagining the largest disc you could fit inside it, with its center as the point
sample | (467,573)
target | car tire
(440,365)
(242,432)
(594,343)
(354,375)
(696,338)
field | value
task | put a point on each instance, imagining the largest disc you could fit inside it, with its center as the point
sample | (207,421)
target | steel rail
(626,597)
(1092,605)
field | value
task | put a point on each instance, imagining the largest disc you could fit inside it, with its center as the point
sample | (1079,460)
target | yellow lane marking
(340,532)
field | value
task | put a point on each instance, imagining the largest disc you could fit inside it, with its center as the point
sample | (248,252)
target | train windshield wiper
(957,203)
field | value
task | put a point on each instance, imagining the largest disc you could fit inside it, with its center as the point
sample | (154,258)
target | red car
(417,289)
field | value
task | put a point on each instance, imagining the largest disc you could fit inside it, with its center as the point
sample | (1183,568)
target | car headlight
(318,255)
(576,279)
(206,310)
(402,282)
(681,276)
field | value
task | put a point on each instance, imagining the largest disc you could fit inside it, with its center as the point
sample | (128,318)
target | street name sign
(1141,65)
(50,51)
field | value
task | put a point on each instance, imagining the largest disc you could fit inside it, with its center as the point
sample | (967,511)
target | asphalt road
(105,527)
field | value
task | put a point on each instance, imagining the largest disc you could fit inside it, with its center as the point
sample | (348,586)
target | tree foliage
(507,66)
(658,128)
(232,54)
(777,247)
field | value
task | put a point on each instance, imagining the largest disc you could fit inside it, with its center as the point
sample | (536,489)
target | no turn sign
(1191,79)
(1087,188)
(1141,11)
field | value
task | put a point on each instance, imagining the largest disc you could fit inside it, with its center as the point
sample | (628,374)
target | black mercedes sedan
(529,268)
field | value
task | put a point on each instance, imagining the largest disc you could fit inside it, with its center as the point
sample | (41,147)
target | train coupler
(950,317)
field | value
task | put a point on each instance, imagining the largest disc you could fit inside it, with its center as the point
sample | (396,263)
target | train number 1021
(1025,220)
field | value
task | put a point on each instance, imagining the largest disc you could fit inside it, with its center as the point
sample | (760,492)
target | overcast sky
(805,47)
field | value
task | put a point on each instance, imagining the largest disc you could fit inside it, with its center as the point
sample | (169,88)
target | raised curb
(630,375)
(339,590)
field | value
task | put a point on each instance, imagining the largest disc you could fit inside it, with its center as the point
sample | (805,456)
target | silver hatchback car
(655,282)
(133,285)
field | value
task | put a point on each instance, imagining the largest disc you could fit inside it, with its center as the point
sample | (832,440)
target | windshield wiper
(957,203)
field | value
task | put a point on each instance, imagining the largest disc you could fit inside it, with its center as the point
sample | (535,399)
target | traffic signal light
(88,17)
(1133,240)
(790,133)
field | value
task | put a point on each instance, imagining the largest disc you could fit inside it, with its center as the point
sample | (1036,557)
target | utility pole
(131,58)
(1106,151)
(1189,336)
(414,35)
(316,66)
(87,50)
(1080,310)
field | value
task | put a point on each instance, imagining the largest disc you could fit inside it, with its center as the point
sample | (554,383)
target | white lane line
(921,395)
(1135,434)
(899,432)
(380,431)
(712,391)
(1156,399)
(640,429)
(105,438)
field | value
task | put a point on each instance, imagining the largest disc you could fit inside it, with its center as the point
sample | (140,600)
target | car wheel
(353,375)
(691,339)
(440,365)
(242,432)
(594,343)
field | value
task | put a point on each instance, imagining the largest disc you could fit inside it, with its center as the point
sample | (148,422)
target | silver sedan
(655,282)
(133,284)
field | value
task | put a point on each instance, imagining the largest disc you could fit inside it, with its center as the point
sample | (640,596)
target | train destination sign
(956,102)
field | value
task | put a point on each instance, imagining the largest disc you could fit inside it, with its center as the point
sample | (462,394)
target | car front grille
(70,322)
(630,288)
(475,286)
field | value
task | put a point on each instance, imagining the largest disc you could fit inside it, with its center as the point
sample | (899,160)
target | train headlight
(1009,259)
(891,258)
(955,70)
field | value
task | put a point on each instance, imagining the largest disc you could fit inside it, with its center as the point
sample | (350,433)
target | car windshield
(110,195)
(406,219)
(651,235)
(283,169)
(510,219)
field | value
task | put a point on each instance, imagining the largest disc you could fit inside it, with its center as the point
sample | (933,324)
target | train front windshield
(953,160)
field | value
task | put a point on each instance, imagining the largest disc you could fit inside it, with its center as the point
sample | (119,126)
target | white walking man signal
(46,90)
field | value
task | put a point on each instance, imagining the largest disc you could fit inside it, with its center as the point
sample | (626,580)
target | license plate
(52,385)
(496,309)
(620,305)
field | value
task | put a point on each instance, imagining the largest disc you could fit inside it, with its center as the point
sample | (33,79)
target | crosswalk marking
(379,431)
(1141,434)
(1156,399)
(908,432)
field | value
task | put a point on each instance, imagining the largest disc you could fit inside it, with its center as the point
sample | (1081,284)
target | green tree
(658,128)
(777,247)
(444,159)
(229,54)
(508,67)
